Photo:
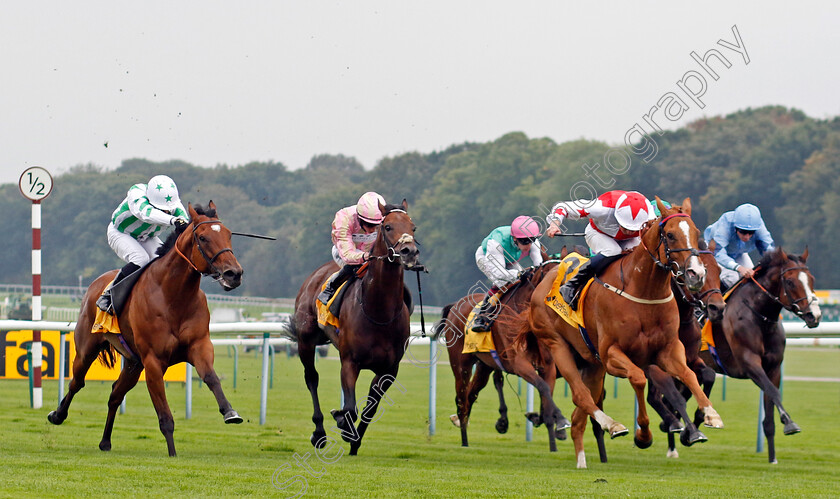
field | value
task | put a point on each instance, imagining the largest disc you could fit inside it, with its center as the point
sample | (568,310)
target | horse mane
(769,260)
(169,243)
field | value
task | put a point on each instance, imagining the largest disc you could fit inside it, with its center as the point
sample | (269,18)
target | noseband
(392,254)
(214,272)
(792,307)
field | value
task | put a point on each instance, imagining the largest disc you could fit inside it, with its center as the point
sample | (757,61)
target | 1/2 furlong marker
(35,184)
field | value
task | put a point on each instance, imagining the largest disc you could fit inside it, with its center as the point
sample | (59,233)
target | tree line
(779,159)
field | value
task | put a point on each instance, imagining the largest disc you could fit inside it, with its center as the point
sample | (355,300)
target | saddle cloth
(327,314)
(105,322)
(566,270)
(475,341)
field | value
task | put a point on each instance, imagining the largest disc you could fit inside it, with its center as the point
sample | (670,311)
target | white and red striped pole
(37,392)
(35,184)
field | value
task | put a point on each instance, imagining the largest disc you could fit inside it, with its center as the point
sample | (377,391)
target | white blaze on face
(693,263)
(216,228)
(813,301)
(405,239)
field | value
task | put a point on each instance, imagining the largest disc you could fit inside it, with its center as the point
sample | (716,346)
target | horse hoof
(232,417)
(672,454)
(642,444)
(318,440)
(455,420)
(618,430)
(104,446)
(561,434)
(689,438)
(712,419)
(502,425)
(675,427)
(562,424)
(792,428)
(53,418)
(534,418)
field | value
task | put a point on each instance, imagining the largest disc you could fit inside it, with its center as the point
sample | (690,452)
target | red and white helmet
(524,227)
(368,208)
(632,210)
(162,193)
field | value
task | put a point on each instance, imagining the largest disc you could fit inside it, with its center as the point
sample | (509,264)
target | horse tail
(446,310)
(290,331)
(439,324)
(108,355)
(525,340)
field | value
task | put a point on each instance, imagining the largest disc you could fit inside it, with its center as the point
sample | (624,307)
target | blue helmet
(747,217)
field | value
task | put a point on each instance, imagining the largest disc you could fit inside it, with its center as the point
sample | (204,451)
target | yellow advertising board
(13,364)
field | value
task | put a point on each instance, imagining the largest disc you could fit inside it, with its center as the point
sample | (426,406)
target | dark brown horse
(750,339)
(631,321)
(514,298)
(664,395)
(164,322)
(374,326)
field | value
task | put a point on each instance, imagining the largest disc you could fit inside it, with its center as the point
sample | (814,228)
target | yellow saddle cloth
(475,341)
(706,338)
(105,322)
(565,271)
(325,317)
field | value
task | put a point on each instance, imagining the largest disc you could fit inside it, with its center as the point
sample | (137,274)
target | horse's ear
(686,206)
(404,205)
(659,205)
(712,245)
(804,256)
(191,211)
(563,252)
(211,205)
(382,209)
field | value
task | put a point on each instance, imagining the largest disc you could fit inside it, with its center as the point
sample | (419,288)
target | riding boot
(334,283)
(105,302)
(570,290)
(483,321)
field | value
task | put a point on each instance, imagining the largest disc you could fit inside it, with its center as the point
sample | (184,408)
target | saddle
(122,290)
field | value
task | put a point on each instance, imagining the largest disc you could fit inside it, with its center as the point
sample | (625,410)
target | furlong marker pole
(37,391)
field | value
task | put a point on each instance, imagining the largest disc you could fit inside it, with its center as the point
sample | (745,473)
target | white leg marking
(581,460)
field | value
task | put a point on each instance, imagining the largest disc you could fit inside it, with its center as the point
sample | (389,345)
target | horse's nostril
(405,251)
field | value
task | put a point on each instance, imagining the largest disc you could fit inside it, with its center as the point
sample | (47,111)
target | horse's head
(396,236)
(796,292)
(677,247)
(211,252)
(710,294)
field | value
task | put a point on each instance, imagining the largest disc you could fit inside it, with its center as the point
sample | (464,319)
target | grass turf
(398,458)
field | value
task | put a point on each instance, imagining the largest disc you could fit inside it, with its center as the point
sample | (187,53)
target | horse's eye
(202,239)
(388,228)
(671,236)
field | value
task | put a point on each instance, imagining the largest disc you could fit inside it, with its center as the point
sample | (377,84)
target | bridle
(669,264)
(792,306)
(391,253)
(213,272)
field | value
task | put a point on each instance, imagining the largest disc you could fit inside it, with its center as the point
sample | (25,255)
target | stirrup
(105,303)
(481,324)
(325,295)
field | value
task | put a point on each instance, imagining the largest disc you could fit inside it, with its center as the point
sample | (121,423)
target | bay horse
(750,340)
(664,396)
(631,321)
(513,299)
(165,321)
(374,325)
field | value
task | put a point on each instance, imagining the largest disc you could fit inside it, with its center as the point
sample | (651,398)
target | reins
(793,307)
(215,272)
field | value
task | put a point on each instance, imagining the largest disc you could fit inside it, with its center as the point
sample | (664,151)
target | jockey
(498,258)
(354,230)
(736,233)
(135,224)
(615,219)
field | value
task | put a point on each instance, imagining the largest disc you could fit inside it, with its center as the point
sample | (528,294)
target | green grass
(397,457)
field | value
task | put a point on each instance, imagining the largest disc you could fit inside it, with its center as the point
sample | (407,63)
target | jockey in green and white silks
(135,224)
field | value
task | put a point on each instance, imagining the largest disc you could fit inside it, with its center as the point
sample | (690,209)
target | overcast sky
(214,82)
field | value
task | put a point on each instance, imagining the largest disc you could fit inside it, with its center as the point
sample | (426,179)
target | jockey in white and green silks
(135,224)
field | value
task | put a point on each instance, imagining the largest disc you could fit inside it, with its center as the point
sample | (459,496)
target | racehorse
(165,321)
(750,340)
(631,321)
(514,297)
(374,325)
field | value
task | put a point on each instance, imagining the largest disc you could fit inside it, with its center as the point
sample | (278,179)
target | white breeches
(730,277)
(131,250)
(337,258)
(603,244)
(495,270)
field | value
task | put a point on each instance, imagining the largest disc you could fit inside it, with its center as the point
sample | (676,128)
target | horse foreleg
(157,391)
(672,360)
(306,352)
(499,383)
(81,364)
(619,364)
(471,385)
(774,398)
(345,418)
(378,386)
(660,385)
(127,380)
(201,356)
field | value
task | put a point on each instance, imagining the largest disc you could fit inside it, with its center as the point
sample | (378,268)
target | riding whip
(255,236)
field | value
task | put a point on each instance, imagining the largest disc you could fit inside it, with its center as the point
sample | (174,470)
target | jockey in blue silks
(736,233)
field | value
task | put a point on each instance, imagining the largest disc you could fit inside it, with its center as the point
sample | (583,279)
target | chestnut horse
(374,325)
(631,321)
(514,298)
(750,339)
(709,301)
(165,321)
